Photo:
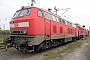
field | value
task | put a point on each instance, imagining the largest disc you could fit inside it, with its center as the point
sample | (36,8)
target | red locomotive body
(35,29)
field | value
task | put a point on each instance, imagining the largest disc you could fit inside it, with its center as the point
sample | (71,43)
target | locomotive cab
(26,29)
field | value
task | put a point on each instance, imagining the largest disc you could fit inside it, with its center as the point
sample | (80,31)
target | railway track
(2,47)
(13,54)
(1,44)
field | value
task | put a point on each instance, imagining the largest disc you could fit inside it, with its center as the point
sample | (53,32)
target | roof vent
(22,7)
(49,9)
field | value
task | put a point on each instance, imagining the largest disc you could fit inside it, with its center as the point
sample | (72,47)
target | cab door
(47,25)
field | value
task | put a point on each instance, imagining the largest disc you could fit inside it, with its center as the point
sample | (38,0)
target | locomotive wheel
(73,39)
(37,49)
(40,48)
(22,49)
(62,42)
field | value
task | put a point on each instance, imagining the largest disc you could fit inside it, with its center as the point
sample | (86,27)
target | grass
(68,49)
(1,40)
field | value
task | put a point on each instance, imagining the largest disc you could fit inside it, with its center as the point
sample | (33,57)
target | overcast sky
(79,11)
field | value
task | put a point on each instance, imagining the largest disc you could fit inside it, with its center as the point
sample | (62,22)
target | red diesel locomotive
(36,29)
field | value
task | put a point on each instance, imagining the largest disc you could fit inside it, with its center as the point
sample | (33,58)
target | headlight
(11,32)
(18,32)
(24,32)
(11,25)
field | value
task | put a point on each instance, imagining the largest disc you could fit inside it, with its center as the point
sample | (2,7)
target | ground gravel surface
(13,54)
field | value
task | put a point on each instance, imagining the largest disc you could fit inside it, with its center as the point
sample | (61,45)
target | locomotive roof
(26,7)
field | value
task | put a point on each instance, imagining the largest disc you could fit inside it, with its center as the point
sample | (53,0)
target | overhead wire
(5,14)
(18,2)
(8,17)
(71,11)
(58,5)
(8,6)
(61,7)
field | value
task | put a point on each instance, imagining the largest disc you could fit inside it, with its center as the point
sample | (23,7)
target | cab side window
(39,13)
(46,15)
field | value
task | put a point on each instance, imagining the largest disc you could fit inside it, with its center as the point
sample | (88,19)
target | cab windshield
(16,14)
(24,12)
